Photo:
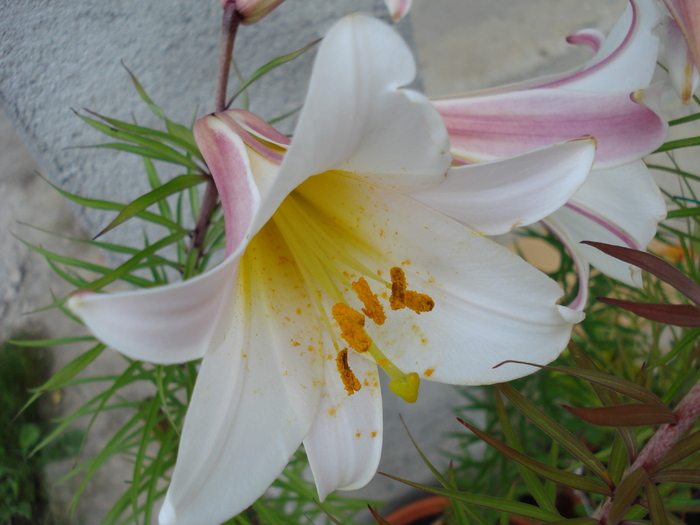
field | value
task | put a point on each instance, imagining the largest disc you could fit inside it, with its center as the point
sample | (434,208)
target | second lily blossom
(620,203)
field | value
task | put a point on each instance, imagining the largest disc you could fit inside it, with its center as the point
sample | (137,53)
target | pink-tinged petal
(496,197)
(490,305)
(164,325)
(355,113)
(227,117)
(258,127)
(687,15)
(591,38)
(581,265)
(626,60)
(679,60)
(227,158)
(256,395)
(345,440)
(620,206)
(398,8)
(507,124)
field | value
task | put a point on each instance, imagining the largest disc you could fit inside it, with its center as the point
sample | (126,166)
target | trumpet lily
(342,257)
(620,203)
(681,31)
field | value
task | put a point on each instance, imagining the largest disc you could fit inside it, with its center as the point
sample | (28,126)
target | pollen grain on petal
(351,383)
(373,308)
(352,324)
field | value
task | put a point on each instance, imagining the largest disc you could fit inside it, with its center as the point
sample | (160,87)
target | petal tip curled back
(571,315)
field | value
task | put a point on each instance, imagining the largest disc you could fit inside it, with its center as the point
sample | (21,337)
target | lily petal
(359,136)
(496,126)
(626,59)
(687,15)
(506,306)
(162,325)
(256,394)
(229,163)
(345,440)
(496,197)
(679,59)
(606,209)
(398,8)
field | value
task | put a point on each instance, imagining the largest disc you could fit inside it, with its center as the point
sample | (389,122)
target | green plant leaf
(175,185)
(626,493)
(657,512)
(606,397)
(678,476)
(629,415)
(499,504)
(554,430)
(529,477)
(263,70)
(681,450)
(97,204)
(677,144)
(561,477)
(38,343)
(157,152)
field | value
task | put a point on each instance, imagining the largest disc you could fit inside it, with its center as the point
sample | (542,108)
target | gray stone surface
(62,54)
(66,54)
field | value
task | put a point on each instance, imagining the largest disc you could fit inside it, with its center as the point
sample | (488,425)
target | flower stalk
(229,26)
(656,450)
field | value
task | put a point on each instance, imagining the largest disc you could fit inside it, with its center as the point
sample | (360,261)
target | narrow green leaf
(554,430)
(172,138)
(175,185)
(138,281)
(626,493)
(606,397)
(691,476)
(683,120)
(677,144)
(618,461)
(158,152)
(683,213)
(263,70)
(622,386)
(549,486)
(142,92)
(375,515)
(490,502)
(657,512)
(284,116)
(529,477)
(97,204)
(681,450)
(629,415)
(558,476)
(151,418)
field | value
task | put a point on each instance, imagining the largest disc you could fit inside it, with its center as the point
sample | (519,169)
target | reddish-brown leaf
(630,415)
(673,314)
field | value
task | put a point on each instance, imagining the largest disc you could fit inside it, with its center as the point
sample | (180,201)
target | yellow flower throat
(317,254)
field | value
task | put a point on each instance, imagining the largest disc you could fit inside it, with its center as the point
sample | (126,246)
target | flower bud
(398,8)
(251,11)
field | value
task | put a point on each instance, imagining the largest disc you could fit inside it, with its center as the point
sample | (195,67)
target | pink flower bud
(251,11)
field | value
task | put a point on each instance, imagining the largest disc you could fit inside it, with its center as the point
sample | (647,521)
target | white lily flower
(681,33)
(342,256)
(620,203)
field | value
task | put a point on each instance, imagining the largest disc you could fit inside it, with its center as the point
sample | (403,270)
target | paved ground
(462,44)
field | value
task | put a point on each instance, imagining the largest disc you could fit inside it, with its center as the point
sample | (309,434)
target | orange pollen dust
(403,298)
(351,323)
(373,309)
(352,384)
